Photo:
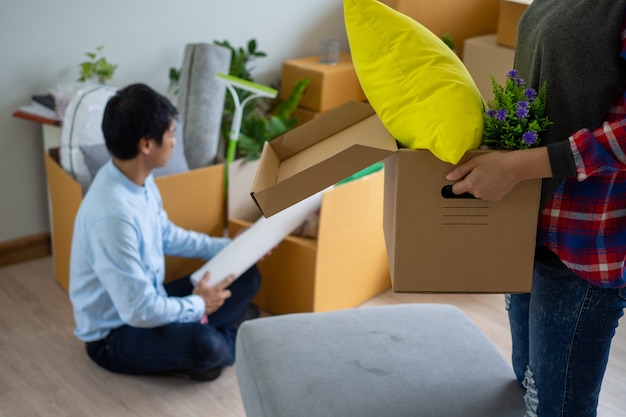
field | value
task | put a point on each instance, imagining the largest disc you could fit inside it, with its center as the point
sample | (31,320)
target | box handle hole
(446,192)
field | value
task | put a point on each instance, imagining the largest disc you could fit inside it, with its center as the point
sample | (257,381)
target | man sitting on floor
(130,321)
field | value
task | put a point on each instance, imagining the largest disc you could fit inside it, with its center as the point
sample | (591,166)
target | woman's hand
(493,175)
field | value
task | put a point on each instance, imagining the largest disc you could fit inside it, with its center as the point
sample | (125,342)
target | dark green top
(575,46)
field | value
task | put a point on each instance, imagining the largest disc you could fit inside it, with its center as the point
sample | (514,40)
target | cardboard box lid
(319,154)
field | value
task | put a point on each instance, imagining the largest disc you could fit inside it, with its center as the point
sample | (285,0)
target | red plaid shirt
(585,221)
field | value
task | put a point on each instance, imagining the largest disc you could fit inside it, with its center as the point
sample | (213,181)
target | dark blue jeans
(179,346)
(562,334)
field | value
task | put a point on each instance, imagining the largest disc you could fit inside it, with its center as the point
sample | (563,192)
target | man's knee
(214,348)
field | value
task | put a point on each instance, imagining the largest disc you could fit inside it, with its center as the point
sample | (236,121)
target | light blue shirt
(117,266)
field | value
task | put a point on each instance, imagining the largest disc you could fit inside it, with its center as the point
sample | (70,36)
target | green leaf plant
(257,129)
(97,68)
(516,117)
(240,66)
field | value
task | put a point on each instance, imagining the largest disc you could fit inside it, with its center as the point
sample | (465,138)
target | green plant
(516,116)
(257,129)
(97,67)
(174,77)
(241,58)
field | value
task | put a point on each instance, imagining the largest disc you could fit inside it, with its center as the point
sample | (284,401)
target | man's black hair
(135,112)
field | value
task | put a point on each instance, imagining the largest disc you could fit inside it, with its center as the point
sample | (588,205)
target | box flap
(319,154)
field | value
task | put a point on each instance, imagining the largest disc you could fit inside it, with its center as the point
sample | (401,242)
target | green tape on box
(362,173)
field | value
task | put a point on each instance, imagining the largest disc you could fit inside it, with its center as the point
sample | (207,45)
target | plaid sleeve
(601,152)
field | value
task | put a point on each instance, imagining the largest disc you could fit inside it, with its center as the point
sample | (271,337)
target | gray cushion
(425,360)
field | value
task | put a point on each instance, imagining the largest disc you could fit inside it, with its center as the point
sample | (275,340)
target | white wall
(42,42)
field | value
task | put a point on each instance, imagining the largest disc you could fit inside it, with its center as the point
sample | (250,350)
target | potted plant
(97,68)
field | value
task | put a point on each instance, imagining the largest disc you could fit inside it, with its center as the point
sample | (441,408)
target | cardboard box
(329,85)
(508,20)
(428,249)
(438,242)
(461,18)
(344,267)
(483,57)
(239,204)
(193,200)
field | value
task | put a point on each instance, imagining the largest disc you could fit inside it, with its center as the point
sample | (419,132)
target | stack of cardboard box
(330,85)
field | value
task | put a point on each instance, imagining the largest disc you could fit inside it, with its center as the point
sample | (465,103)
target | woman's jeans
(179,346)
(562,334)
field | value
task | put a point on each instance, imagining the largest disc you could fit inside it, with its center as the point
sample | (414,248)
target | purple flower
(515,77)
(530,137)
(530,94)
(522,110)
(515,118)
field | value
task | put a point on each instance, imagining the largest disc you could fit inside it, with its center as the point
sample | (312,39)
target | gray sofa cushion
(425,360)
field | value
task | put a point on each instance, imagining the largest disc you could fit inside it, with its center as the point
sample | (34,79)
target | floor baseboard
(25,249)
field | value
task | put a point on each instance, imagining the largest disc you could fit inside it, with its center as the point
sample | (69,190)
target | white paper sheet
(257,240)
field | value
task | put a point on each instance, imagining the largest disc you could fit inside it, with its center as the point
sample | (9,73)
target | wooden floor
(45,372)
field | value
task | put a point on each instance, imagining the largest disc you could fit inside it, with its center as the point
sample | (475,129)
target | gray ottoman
(413,360)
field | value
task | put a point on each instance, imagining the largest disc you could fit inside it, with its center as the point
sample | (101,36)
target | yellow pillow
(419,88)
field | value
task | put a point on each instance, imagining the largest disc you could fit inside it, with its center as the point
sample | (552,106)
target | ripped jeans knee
(531,398)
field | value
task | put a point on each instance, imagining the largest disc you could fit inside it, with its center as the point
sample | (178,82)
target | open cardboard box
(344,267)
(434,243)
(193,200)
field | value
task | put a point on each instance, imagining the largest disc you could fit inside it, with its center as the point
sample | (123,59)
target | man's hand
(493,175)
(213,296)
